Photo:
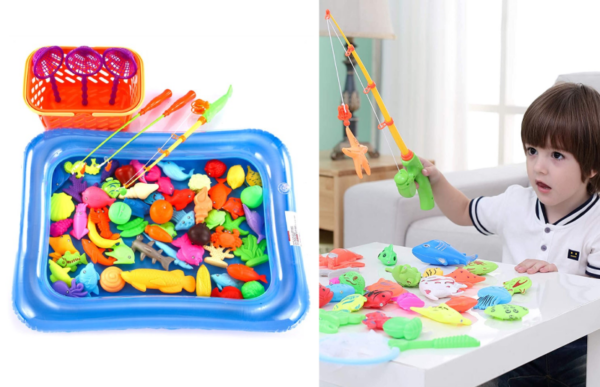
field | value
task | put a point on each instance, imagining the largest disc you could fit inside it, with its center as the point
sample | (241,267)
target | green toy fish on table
(479,267)
(405,275)
(518,285)
(71,260)
(507,312)
(354,279)
(331,321)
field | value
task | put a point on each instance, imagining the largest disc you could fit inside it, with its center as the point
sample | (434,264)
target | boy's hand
(430,171)
(532,266)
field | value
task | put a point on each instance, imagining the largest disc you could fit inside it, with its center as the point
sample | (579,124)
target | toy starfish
(357,152)
(231,224)
(217,256)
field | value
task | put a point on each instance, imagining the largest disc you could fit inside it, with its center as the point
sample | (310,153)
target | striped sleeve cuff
(475,217)
(592,271)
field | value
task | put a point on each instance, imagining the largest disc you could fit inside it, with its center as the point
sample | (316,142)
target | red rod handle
(156,101)
(181,102)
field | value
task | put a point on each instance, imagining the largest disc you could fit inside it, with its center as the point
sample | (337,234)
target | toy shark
(170,252)
(437,252)
(146,249)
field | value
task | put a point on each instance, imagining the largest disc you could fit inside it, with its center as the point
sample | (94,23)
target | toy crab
(224,238)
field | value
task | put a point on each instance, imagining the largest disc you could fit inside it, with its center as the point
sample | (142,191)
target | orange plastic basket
(70,113)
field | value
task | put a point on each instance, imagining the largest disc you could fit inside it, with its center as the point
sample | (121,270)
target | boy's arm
(453,203)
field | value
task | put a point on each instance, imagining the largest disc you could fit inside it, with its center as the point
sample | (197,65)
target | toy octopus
(203,204)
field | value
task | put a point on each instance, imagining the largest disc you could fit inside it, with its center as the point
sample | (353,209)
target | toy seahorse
(203,204)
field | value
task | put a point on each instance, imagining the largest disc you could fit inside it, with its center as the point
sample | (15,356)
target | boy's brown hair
(567,116)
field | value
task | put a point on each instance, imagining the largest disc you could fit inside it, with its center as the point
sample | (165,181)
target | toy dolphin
(174,171)
(165,281)
(59,273)
(89,277)
(123,253)
(340,291)
(256,223)
(79,222)
(224,280)
(437,252)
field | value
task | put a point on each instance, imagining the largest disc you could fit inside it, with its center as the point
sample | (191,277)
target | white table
(562,308)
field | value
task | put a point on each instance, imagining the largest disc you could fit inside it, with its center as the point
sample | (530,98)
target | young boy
(553,225)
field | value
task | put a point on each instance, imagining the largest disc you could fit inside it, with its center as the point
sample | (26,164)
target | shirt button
(547,230)
(544,247)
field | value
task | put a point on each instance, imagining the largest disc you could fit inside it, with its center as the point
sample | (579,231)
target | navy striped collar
(540,211)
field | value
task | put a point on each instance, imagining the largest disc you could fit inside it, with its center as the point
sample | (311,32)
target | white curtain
(424,80)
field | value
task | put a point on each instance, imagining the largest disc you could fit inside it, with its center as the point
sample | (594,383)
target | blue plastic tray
(284,303)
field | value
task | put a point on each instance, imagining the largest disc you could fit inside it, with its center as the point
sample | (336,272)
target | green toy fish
(330,321)
(507,312)
(351,303)
(122,253)
(354,279)
(113,188)
(405,275)
(59,273)
(388,256)
(71,260)
(479,267)
(518,285)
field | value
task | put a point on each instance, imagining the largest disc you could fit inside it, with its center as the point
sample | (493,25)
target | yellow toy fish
(433,271)
(97,239)
(253,178)
(165,281)
(93,169)
(442,313)
(61,245)
(351,303)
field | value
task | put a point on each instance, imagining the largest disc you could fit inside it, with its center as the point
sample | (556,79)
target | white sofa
(375,212)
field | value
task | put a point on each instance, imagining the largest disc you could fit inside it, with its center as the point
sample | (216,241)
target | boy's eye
(557,155)
(531,151)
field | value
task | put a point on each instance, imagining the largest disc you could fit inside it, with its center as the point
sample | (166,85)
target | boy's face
(555,176)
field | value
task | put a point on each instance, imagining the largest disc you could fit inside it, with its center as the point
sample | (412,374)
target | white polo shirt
(519,218)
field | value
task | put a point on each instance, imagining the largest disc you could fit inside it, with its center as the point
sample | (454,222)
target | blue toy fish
(437,252)
(170,252)
(59,178)
(492,295)
(174,171)
(340,291)
(138,207)
(225,279)
(89,277)
(154,196)
(183,220)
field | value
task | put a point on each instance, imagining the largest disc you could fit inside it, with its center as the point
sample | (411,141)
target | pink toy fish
(188,252)
(165,186)
(80,222)
(59,228)
(138,167)
(95,197)
(334,281)
(153,174)
(407,300)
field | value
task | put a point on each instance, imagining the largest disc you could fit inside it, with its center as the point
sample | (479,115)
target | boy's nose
(540,166)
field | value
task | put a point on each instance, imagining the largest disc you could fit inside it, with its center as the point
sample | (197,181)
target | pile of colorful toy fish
(171,217)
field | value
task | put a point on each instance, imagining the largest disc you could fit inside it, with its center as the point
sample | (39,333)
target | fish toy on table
(437,252)
(518,285)
(492,295)
(403,328)
(406,275)
(375,320)
(377,299)
(325,295)
(351,303)
(354,279)
(388,256)
(435,287)
(331,321)
(480,267)
(443,313)
(340,291)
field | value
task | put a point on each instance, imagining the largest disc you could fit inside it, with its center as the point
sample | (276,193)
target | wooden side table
(335,177)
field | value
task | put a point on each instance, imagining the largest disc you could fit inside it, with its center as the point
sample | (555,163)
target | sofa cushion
(463,238)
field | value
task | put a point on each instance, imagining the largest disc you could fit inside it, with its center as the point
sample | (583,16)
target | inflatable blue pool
(40,307)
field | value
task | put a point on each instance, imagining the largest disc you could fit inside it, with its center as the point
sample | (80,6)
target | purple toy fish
(112,167)
(255,221)
(407,300)
(165,186)
(76,290)
(75,190)
(59,228)
(139,167)
(188,252)
(80,222)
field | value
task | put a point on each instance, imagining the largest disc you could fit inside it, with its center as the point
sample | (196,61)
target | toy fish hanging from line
(437,252)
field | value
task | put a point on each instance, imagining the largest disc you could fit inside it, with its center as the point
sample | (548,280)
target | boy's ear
(593,173)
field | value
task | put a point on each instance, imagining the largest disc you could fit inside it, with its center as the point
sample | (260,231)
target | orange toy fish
(386,285)
(465,277)
(234,207)
(461,304)
(244,273)
(202,204)
(180,198)
(95,253)
(218,194)
(158,233)
(99,216)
